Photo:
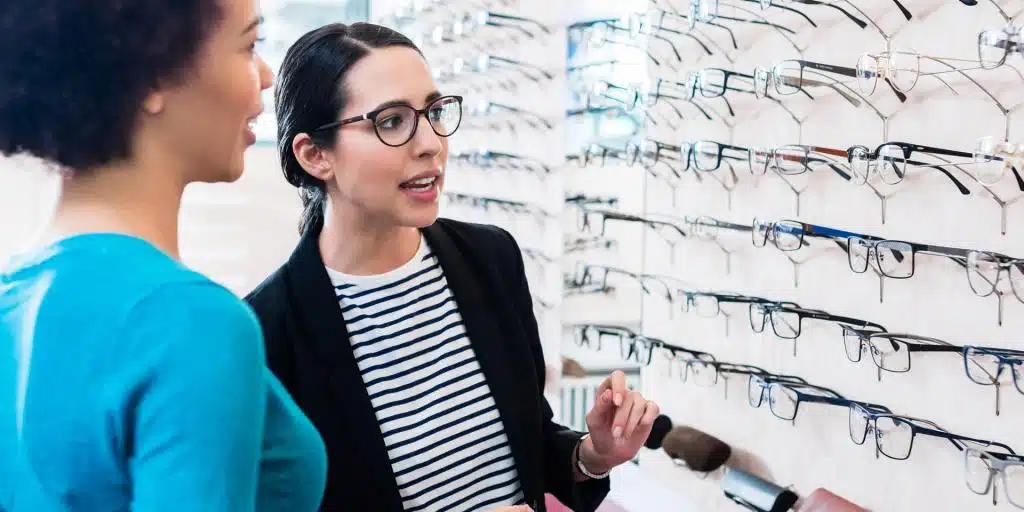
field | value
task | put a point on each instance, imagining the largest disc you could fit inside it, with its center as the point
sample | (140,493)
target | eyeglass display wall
(800,218)
(828,204)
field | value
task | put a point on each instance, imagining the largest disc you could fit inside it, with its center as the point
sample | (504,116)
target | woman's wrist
(591,460)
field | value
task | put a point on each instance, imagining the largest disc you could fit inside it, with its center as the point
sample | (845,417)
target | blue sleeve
(197,408)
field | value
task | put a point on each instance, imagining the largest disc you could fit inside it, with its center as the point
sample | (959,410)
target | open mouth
(420,185)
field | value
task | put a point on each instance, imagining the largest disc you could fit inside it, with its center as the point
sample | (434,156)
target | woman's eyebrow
(253,25)
(394,103)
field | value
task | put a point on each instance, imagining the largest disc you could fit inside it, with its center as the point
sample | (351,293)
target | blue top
(129,382)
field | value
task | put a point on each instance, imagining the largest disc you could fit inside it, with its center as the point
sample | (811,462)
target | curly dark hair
(73,73)
(311,92)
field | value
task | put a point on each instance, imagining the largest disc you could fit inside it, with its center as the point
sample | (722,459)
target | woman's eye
(390,122)
(257,42)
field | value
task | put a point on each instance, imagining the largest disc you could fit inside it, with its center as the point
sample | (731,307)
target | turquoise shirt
(129,382)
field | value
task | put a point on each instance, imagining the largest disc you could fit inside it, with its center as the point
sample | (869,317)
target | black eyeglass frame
(372,117)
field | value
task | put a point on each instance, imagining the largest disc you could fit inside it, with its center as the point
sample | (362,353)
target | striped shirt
(444,437)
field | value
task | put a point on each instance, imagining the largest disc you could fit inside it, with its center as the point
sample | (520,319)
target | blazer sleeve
(559,441)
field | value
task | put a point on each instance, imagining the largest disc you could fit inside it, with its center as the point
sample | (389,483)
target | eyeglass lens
(982,471)
(892,259)
(396,125)
(893,436)
(984,368)
(782,401)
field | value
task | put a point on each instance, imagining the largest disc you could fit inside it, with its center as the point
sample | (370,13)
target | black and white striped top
(445,439)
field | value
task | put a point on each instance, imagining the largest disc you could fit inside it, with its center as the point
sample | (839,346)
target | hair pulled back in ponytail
(311,92)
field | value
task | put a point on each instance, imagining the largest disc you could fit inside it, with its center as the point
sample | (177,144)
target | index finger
(618,386)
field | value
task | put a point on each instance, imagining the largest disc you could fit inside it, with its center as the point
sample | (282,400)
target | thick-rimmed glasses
(396,125)
(894,434)
(706,155)
(889,161)
(983,470)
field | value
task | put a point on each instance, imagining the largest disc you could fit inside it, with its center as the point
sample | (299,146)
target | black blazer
(309,351)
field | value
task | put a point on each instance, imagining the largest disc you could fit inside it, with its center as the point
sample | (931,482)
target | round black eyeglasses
(396,125)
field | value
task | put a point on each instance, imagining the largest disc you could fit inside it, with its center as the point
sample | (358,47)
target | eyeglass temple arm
(659,95)
(942,168)
(829,317)
(962,154)
(510,17)
(733,226)
(957,439)
(766,23)
(869,406)
(547,74)
(809,397)
(906,13)
(672,45)
(799,83)
(1003,352)
(790,9)
(671,347)
(838,170)
(958,255)
(828,232)
(860,23)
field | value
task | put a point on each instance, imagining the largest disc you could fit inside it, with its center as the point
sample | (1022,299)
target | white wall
(235,233)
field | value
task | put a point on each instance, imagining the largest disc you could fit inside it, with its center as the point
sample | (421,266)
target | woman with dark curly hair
(128,381)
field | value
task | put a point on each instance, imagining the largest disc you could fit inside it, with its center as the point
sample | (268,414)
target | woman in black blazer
(409,340)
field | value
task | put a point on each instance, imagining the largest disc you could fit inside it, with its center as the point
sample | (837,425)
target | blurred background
(680,175)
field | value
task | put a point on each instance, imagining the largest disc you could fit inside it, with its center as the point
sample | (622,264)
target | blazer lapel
(342,402)
(485,331)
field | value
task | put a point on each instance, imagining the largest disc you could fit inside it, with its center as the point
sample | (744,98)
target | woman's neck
(120,199)
(351,245)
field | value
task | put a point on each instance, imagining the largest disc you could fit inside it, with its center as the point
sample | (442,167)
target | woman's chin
(420,216)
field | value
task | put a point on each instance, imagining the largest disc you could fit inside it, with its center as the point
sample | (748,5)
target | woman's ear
(314,159)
